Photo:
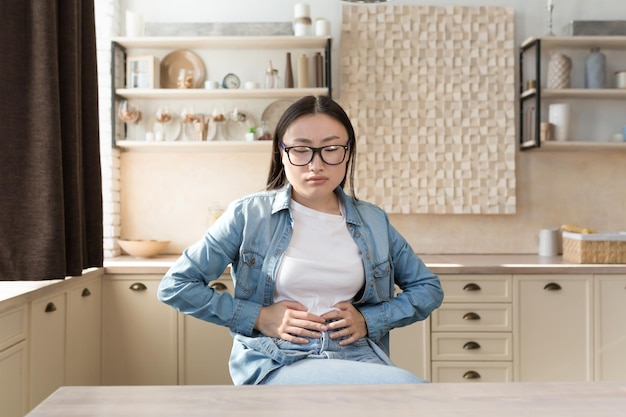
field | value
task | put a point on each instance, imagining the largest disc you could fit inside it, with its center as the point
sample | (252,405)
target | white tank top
(321,265)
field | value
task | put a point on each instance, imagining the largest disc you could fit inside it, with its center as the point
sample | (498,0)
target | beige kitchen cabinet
(471,338)
(47,346)
(14,362)
(205,347)
(139,333)
(84,306)
(553,322)
(410,348)
(610,327)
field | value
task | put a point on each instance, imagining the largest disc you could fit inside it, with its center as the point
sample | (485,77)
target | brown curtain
(50,178)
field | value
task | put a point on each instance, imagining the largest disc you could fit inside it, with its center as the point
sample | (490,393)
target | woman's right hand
(290,321)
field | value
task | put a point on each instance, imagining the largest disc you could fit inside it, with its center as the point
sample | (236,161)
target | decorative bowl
(143,248)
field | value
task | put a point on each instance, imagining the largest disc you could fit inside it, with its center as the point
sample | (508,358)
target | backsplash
(167,195)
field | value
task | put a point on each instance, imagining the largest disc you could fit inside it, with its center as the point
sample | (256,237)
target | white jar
(322,27)
(620,79)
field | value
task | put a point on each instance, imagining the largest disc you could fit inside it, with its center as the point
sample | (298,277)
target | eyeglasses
(303,155)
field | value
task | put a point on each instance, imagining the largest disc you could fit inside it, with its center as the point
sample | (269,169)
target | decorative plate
(237,129)
(178,60)
(272,114)
(170,130)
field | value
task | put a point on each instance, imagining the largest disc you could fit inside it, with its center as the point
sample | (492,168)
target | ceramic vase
(559,69)
(559,116)
(288,71)
(595,69)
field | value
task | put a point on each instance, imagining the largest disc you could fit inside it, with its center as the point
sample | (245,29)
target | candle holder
(550,8)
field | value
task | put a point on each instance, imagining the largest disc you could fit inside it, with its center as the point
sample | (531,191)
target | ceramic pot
(559,69)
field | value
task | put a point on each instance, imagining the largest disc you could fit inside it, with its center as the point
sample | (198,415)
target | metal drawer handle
(471,316)
(471,287)
(219,286)
(552,286)
(85,293)
(471,346)
(138,286)
(50,307)
(471,375)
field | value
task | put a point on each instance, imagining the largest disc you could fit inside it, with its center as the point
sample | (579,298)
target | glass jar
(271,78)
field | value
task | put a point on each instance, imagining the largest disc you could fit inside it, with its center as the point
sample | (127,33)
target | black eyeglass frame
(319,150)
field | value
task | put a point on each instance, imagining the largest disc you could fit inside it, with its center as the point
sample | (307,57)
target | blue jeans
(324,361)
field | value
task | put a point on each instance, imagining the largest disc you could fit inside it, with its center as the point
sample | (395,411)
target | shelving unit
(122,45)
(531,99)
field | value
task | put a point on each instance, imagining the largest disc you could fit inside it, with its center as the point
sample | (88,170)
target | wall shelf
(531,100)
(571,146)
(223,42)
(184,146)
(222,93)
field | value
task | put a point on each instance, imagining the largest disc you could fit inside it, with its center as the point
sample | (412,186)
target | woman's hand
(290,321)
(347,321)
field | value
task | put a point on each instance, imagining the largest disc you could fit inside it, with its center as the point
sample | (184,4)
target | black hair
(307,106)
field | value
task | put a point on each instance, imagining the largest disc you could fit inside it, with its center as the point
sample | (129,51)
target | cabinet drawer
(472,317)
(472,372)
(477,288)
(13,327)
(472,346)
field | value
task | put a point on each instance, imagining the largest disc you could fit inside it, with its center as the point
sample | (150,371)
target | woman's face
(314,182)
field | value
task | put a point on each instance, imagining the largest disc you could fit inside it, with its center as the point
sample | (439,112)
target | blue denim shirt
(252,235)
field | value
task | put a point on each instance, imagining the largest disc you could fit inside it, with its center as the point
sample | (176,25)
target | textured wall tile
(431,93)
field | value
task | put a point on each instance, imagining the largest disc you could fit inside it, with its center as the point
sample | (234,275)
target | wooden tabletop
(572,399)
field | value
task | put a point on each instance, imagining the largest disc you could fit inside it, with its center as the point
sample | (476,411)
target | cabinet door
(205,348)
(84,305)
(47,347)
(610,340)
(139,333)
(13,383)
(553,328)
(410,348)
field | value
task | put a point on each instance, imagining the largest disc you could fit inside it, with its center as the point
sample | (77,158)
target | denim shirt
(252,235)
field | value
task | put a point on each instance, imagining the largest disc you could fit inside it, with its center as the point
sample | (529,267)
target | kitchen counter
(540,399)
(13,293)
(16,293)
(439,264)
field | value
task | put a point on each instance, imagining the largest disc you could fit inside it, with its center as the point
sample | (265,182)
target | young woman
(313,268)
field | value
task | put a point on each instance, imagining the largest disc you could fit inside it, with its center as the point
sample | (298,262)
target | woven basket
(599,248)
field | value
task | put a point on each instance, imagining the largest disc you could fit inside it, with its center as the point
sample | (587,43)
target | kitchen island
(539,399)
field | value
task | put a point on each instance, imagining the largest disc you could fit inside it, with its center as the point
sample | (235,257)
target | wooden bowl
(143,248)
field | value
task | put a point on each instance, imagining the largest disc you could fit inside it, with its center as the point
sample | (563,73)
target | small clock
(231,81)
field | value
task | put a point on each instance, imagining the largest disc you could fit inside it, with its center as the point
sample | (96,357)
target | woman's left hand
(347,322)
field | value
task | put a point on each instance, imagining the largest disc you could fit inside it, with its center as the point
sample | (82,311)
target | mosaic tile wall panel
(431,92)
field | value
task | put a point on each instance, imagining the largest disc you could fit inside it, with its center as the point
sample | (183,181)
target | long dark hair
(305,106)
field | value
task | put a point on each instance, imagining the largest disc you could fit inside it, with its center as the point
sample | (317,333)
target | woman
(314,269)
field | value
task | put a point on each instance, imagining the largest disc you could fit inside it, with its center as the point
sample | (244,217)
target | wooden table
(584,399)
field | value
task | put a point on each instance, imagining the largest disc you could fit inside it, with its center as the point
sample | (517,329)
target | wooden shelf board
(583,146)
(223,42)
(580,42)
(198,93)
(210,146)
(584,93)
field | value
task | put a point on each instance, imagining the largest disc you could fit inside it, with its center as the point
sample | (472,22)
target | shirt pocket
(248,274)
(382,279)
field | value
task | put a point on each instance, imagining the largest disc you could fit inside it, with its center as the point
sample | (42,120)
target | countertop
(13,293)
(439,264)
(538,399)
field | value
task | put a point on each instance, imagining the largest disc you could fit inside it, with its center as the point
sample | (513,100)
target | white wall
(167,196)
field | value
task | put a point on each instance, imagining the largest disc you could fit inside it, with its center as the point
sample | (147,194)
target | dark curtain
(50,178)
